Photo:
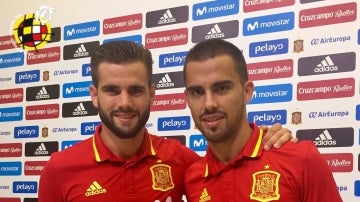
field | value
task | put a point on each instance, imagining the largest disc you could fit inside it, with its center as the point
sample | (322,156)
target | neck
(227,150)
(122,147)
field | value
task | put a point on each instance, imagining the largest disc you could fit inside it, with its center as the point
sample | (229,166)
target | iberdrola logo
(33,31)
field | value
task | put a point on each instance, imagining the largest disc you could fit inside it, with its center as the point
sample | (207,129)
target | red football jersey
(88,171)
(294,172)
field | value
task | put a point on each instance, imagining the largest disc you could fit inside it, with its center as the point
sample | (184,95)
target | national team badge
(265,185)
(161,177)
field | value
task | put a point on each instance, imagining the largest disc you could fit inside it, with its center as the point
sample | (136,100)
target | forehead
(211,70)
(122,73)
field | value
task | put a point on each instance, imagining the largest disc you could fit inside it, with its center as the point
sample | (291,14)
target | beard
(124,133)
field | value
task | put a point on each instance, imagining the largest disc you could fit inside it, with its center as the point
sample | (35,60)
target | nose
(123,100)
(211,101)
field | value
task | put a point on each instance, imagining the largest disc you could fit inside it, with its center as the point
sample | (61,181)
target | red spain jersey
(295,172)
(89,171)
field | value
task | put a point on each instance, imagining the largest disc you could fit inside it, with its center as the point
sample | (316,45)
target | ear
(94,96)
(248,91)
(152,93)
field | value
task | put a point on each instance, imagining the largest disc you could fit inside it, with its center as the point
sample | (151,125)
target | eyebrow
(216,84)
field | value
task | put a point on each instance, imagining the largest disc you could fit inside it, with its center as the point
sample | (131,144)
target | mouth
(212,120)
(124,117)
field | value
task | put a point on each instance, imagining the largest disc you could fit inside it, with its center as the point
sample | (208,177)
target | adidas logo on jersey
(167,18)
(81,52)
(204,196)
(95,189)
(324,139)
(215,32)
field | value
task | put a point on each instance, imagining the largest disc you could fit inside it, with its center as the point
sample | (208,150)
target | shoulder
(168,148)
(302,151)
(80,149)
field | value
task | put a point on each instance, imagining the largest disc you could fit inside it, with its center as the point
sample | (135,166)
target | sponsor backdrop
(302,56)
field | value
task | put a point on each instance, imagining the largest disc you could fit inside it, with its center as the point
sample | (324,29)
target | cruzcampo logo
(33,31)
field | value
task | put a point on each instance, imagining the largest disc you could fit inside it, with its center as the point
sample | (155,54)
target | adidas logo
(42,94)
(215,32)
(95,189)
(204,196)
(41,150)
(165,82)
(326,65)
(167,18)
(324,139)
(80,110)
(81,52)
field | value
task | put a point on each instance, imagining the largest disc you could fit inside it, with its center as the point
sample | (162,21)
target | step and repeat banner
(302,56)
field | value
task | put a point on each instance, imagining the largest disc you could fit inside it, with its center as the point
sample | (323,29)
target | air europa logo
(327,15)
(326,89)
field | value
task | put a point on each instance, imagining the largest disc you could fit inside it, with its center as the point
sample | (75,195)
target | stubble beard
(124,133)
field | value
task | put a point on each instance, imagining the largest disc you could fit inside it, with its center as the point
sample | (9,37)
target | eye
(221,89)
(136,90)
(196,92)
(111,90)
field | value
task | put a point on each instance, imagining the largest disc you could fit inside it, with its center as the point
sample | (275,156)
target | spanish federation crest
(265,185)
(161,177)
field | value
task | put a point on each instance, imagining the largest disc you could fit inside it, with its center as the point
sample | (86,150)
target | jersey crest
(265,185)
(161,177)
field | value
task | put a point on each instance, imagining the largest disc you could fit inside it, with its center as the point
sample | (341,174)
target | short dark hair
(120,52)
(211,48)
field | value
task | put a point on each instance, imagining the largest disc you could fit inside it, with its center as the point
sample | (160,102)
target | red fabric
(301,172)
(74,175)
